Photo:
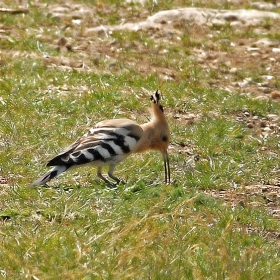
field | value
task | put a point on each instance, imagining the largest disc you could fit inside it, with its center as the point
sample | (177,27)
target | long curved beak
(166,167)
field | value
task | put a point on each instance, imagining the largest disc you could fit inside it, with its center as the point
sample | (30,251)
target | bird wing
(104,142)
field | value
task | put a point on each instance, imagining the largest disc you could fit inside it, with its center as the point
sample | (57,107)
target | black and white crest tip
(155,97)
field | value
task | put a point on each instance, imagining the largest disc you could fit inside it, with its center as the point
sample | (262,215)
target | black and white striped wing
(108,142)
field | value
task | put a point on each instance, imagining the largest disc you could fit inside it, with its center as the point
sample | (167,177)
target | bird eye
(164,138)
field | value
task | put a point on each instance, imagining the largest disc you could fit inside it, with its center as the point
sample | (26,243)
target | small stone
(262,97)
(264,42)
(277,50)
(266,129)
(252,49)
(190,116)
(275,95)
(265,90)
(96,61)
(271,204)
(233,70)
(272,117)
(250,125)
(264,6)
(62,42)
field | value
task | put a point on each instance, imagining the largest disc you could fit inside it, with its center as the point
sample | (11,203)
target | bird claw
(115,184)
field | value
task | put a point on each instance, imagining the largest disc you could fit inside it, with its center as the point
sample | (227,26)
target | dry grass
(219,219)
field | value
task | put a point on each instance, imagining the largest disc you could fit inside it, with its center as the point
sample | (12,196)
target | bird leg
(99,174)
(110,173)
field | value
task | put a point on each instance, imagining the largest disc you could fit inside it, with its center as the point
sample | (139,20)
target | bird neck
(153,130)
(157,114)
(151,135)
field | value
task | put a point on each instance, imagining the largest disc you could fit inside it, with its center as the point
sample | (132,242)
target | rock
(233,70)
(263,5)
(275,95)
(263,124)
(199,16)
(276,50)
(273,117)
(265,42)
(250,125)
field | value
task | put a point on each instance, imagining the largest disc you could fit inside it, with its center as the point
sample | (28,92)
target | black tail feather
(49,175)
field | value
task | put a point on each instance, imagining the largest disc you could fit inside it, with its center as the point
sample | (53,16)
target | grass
(78,228)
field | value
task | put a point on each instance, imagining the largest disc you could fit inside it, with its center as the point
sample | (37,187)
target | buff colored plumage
(111,141)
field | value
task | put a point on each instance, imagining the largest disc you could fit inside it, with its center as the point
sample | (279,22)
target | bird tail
(49,175)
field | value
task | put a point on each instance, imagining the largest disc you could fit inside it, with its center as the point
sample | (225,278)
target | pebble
(250,125)
(264,42)
(275,95)
(276,50)
(266,129)
(265,89)
(233,70)
(273,117)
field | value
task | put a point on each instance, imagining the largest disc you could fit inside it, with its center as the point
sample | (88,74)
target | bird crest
(155,97)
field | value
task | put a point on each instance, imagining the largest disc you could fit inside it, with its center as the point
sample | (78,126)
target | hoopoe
(111,141)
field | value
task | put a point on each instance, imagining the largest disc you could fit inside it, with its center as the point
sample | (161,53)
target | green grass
(79,228)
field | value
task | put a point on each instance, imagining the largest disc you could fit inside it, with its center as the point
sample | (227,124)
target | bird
(111,141)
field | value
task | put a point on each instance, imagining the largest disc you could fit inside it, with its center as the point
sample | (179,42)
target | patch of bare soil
(264,126)
(264,196)
(3,181)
